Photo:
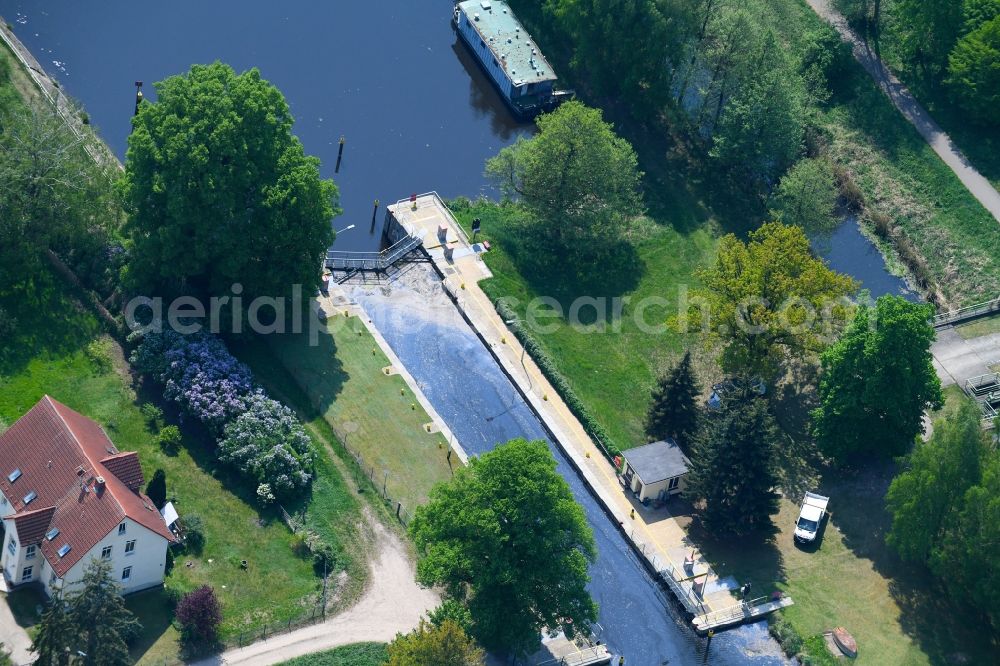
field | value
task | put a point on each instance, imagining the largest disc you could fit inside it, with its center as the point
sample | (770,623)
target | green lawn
(375,414)
(52,353)
(357,654)
(612,371)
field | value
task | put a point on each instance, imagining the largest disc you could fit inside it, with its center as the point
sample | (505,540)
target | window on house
(121,529)
(26,574)
(106,553)
(31,552)
(64,550)
(30,497)
(126,573)
(52,579)
(130,547)
(674,482)
(3,500)
(12,547)
(52,534)
(14,476)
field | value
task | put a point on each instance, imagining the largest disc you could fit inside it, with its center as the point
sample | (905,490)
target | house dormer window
(14,476)
(121,529)
(30,553)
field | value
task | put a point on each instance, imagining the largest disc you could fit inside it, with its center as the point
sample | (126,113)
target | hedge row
(559,382)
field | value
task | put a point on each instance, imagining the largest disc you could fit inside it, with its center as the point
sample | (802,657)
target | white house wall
(148,561)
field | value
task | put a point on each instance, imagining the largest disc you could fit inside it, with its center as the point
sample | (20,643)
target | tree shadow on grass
(154,610)
(943,626)
(612,271)
(48,323)
(754,558)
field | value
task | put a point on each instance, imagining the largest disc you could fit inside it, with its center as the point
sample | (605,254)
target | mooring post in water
(340,154)
(138,97)
(374,212)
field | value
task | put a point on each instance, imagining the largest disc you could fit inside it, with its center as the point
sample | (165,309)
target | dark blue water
(390,76)
(847,250)
(482,408)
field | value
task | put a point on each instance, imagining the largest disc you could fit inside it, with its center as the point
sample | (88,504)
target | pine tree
(55,631)
(734,465)
(102,623)
(675,412)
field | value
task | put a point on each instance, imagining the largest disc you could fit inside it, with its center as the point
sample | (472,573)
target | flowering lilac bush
(259,436)
(268,443)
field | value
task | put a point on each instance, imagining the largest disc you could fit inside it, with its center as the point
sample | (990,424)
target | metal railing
(372,261)
(730,613)
(968,312)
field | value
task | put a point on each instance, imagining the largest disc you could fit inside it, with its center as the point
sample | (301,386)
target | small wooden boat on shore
(845,642)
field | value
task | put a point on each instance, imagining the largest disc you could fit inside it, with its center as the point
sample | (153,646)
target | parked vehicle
(811,516)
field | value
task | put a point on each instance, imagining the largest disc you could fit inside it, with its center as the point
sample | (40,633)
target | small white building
(654,471)
(68,496)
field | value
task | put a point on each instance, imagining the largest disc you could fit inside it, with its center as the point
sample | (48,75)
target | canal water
(391,77)
(482,408)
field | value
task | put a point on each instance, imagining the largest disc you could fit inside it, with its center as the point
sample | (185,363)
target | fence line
(968,312)
(381,482)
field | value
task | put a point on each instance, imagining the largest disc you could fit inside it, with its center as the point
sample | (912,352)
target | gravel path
(393,603)
(911,109)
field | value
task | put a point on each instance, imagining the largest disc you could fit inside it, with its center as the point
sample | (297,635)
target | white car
(810,517)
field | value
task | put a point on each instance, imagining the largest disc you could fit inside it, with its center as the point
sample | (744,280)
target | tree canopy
(222,192)
(506,535)
(807,195)
(769,298)
(734,464)
(68,625)
(925,499)
(974,66)
(579,182)
(877,380)
(675,411)
(51,192)
(945,510)
(442,645)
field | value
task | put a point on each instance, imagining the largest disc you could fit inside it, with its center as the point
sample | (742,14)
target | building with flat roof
(655,471)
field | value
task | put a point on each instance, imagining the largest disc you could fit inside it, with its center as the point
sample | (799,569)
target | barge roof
(510,42)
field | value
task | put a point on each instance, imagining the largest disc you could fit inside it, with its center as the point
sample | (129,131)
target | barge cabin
(509,56)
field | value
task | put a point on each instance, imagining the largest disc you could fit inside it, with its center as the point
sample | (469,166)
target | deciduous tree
(51,191)
(199,614)
(974,71)
(768,298)
(926,499)
(877,380)
(734,464)
(675,411)
(222,192)
(506,535)
(807,195)
(578,180)
(442,645)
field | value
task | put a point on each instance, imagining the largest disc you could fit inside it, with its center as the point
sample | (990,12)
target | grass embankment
(358,654)
(376,414)
(980,327)
(58,349)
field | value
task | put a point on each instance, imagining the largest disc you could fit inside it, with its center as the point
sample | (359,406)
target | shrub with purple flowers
(268,443)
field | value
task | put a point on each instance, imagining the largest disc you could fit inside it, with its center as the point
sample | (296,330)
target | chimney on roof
(99,485)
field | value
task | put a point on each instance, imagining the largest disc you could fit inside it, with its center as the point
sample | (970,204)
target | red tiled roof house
(67,496)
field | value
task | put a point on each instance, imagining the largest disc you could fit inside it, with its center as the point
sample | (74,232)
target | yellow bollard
(545,396)
(588,454)
(503,340)
(632,514)
(413,405)
(373,351)
(402,392)
(463,285)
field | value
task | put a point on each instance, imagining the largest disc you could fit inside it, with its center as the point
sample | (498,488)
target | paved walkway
(393,604)
(911,109)
(957,359)
(656,535)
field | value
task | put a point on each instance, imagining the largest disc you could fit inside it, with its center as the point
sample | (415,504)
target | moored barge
(509,56)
